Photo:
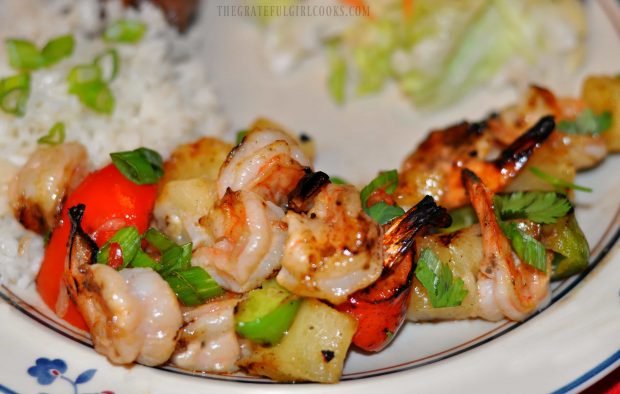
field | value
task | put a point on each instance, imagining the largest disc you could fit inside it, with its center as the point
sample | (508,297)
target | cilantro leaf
(587,122)
(436,277)
(240,136)
(382,212)
(528,248)
(539,207)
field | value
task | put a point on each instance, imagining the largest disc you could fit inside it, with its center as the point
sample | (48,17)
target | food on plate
(434,51)
(244,258)
(510,149)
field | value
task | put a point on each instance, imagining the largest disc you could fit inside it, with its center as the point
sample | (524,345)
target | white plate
(568,345)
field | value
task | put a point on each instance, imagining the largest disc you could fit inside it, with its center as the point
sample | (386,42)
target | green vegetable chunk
(128,238)
(382,212)
(240,136)
(142,166)
(193,286)
(336,180)
(566,239)
(125,31)
(266,313)
(14,93)
(436,277)
(55,136)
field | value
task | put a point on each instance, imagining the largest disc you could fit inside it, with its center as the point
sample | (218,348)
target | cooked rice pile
(162,94)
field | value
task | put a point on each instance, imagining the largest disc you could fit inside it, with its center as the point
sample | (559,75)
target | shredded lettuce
(445,48)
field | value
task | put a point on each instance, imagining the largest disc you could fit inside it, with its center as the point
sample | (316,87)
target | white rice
(162,94)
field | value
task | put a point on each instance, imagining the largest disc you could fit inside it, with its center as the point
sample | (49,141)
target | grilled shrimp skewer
(435,167)
(132,315)
(498,283)
(507,286)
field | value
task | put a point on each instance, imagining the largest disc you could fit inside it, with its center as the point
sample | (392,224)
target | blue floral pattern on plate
(46,372)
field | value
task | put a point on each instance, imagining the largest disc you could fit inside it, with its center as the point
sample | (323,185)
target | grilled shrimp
(435,167)
(208,341)
(580,150)
(267,162)
(333,249)
(42,184)
(498,284)
(132,315)
(506,285)
(248,234)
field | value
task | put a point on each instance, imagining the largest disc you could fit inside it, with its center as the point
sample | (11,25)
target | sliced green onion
(143,260)
(108,64)
(240,136)
(142,166)
(23,54)
(14,93)
(193,286)
(124,30)
(83,74)
(96,96)
(556,182)
(178,257)
(128,238)
(55,136)
(158,240)
(58,48)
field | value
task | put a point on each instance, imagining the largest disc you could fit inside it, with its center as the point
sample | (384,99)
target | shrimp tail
(516,155)
(381,308)
(399,235)
(307,187)
(82,252)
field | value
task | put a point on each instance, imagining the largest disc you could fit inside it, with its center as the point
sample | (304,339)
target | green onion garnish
(58,48)
(143,260)
(142,166)
(178,257)
(128,238)
(556,182)
(158,240)
(124,30)
(23,54)
(83,74)
(55,136)
(108,64)
(14,92)
(240,136)
(193,286)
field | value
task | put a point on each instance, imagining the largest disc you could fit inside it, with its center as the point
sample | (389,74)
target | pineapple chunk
(314,349)
(603,94)
(200,159)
